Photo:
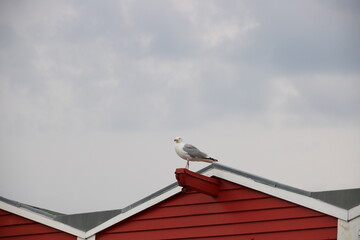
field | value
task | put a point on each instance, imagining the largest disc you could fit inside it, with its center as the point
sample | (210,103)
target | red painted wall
(237,213)
(14,227)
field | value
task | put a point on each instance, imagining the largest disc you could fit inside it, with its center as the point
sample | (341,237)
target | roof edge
(261,179)
(354,212)
(137,207)
(41,211)
(281,191)
(37,215)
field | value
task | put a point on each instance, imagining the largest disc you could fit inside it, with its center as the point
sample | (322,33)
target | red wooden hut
(218,202)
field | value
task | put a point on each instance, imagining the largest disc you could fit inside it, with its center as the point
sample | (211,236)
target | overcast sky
(92,94)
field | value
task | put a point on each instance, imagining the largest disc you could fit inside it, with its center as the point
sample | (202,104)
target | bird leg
(187,164)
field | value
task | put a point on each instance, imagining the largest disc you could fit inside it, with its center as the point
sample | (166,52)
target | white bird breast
(179,150)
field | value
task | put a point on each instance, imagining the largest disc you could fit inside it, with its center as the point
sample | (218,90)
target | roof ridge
(262,180)
(42,211)
(338,190)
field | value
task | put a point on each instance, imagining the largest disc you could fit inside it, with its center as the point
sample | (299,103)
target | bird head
(178,140)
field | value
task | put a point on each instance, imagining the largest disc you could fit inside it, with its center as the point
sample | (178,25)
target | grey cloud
(96,50)
(233,91)
(316,38)
(177,39)
(336,98)
(87,83)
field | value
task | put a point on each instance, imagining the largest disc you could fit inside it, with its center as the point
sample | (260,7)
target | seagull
(190,153)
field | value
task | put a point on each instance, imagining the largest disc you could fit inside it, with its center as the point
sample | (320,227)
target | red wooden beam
(195,181)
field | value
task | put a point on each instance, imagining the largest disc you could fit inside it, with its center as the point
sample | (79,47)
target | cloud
(112,64)
(85,85)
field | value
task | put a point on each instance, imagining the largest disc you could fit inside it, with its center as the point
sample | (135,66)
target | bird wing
(193,151)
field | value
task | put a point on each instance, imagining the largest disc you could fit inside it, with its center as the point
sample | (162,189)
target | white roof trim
(41,219)
(299,199)
(354,212)
(133,211)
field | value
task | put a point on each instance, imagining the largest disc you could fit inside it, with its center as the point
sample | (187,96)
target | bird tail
(212,159)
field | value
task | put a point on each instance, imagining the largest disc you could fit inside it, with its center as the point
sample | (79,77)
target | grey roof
(345,199)
(82,221)
(87,221)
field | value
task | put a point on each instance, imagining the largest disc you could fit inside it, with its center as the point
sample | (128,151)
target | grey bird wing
(194,152)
